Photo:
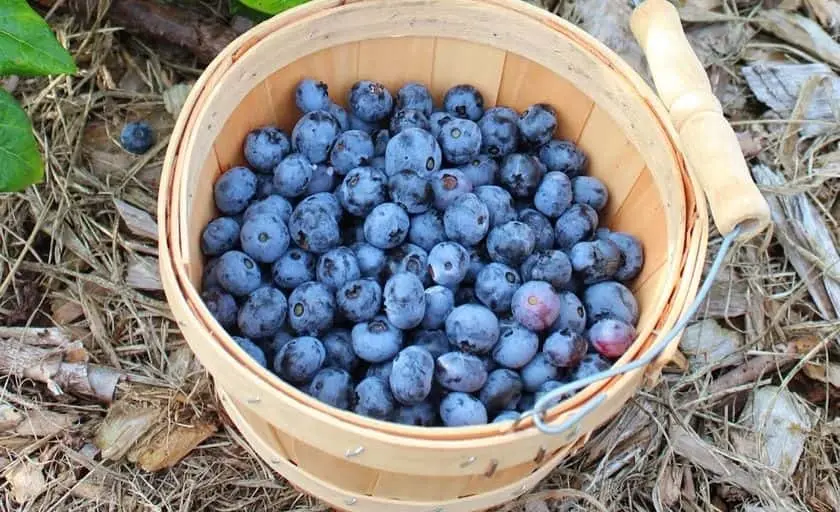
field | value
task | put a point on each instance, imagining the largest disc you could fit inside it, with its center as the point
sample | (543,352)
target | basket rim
(251,40)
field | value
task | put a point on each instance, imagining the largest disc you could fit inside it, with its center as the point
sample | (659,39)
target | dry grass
(64,252)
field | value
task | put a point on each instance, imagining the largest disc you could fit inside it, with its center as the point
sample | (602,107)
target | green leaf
(272,6)
(20,158)
(27,45)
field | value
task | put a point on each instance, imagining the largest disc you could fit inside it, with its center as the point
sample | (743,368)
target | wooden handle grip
(708,141)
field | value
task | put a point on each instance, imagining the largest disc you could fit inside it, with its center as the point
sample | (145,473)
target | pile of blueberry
(428,266)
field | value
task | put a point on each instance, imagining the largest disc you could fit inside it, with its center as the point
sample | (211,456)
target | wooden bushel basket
(516,54)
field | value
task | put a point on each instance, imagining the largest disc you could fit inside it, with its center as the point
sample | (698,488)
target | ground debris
(138,221)
(26,480)
(707,344)
(801,31)
(143,273)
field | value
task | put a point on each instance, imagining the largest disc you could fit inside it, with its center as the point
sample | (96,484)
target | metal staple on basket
(542,405)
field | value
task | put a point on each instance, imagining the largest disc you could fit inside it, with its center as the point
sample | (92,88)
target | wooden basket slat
(342,472)
(384,60)
(409,487)
(457,59)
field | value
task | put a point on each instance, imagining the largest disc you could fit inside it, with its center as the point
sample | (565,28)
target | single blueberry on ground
(137,137)
(473,328)
(238,273)
(376,341)
(294,268)
(464,101)
(467,220)
(387,226)
(311,95)
(220,236)
(265,148)
(516,347)
(263,314)
(234,190)
(311,308)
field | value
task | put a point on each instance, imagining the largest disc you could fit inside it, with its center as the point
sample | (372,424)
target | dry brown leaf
(42,423)
(124,425)
(143,273)
(9,417)
(801,31)
(826,11)
(138,221)
(175,97)
(669,485)
(38,336)
(718,42)
(824,372)
(169,445)
(708,344)
(65,311)
(26,480)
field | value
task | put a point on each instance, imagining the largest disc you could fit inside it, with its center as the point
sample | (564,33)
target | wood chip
(708,344)
(124,425)
(669,485)
(826,11)
(800,31)
(26,480)
(143,273)
(65,311)
(727,299)
(824,372)
(171,444)
(10,417)
(780,425)
(37,336)
(42,423)
(806,240)
(138,221)
(609,22)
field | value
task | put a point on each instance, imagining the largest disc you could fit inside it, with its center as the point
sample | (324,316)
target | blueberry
(591,364)
(357,124)
(499,133)
(265,148)
(411,376)
(237,273)
(339,350)
(423,414)
(464,101)
(506,416)
(502,387)
(632,254)
(439,303)
(371,259)
(341,116)
(552,266)
(265,186)
(416,96)
(323,180)
(413,149)
(426,230)
(554,195)
(435,341)
(221,305)
(404,300)
(465,295)
(611,337)
(362,190)
(595,261)
(411,190)
(209,279)
(499,203)
(565,349)
(300,360)
(370,101)
(292,175)
(373,399)
(387,226)
(572,315)
(537,372)
(264,238)
(590,191)
(332,386)
(311,95)
(220,236)
(577,224)
(461,410)
(467,220)
(448,263)
(353,148)
(381,370)
(520,174)
(541,227)
(359,300)
(495,286)
(537,124)
(378,163)
(409,258)
(324,201)
(311,308)
(437,121)
(273,205)
(478,258)
(234,190)
(376,341)
(472,328)
(457,371)
(380,144)
(535,305)
(408,118)
(448,185)
(460,141)
(610,299)
(280,340)
(549,386)
(263,314)
(517,345)
(137,137)
(314,135)
(294,268)
(481,170)
(511,242)
(336,267)
(252,349)
(563,156)
(314,228)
